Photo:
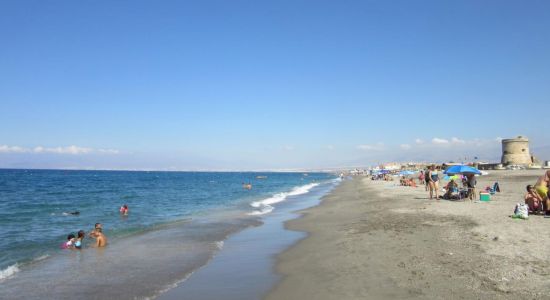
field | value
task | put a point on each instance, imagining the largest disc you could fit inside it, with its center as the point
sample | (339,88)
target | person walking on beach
(421,177)
(433,179)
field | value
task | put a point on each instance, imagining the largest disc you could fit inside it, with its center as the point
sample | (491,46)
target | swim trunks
(542,191)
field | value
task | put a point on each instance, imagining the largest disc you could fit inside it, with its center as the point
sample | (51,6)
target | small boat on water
(261,177)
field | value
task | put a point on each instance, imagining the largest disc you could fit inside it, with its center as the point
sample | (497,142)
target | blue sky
(248,85)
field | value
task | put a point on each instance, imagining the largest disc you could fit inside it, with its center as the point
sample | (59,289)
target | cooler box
(484,196)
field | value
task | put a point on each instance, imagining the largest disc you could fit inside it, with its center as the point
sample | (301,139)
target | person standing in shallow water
(100,238)
(79,239)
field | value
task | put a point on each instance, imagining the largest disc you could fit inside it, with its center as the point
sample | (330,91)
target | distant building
(391,166)
(516,152)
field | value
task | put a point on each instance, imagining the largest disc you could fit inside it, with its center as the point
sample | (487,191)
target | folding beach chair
(495,188)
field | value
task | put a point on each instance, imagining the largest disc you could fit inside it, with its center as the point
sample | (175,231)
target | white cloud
(12,149)
(419,141)
(438,141)
(405,146)
(108,151)
(499,139)
(455,140)
(72,150)
(376,147)
(330,147)
(38,149)
(288,148)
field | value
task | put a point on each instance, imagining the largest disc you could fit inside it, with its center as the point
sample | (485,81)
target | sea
(177,223)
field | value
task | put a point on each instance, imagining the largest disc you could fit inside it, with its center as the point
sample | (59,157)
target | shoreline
(243,269)
(379,240)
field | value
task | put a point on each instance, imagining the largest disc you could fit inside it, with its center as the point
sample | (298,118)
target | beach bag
(521,211)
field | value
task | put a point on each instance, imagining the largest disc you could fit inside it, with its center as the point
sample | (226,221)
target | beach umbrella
(462,169)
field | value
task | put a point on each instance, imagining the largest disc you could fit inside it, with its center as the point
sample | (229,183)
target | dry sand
(377,240)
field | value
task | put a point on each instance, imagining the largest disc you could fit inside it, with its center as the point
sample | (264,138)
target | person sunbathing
(533,200)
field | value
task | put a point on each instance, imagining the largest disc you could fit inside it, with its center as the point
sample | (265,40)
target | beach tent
(462,169)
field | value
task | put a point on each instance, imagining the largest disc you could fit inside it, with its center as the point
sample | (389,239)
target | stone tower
(516,151)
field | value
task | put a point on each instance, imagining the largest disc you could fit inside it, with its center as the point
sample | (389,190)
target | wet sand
(377,240)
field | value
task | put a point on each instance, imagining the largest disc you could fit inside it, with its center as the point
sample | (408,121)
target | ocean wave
(265,209)
(9,271)
(41,258)
(265,206)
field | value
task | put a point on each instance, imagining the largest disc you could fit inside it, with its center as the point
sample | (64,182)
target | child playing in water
(79,239)
(124,210)
(69,244)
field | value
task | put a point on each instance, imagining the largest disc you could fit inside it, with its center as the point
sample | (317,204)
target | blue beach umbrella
(462,169)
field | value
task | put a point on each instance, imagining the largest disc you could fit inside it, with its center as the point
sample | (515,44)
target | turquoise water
(35,207)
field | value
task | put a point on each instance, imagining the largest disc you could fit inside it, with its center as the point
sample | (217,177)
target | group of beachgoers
(75,242)
(404,181)
(536,197)
(430,178)
(385,177)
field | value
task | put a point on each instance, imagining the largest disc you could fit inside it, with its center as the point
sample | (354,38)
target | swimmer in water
(94,232)
(74,213)
(100,238)
(80,238)
(69,244)
(124,210)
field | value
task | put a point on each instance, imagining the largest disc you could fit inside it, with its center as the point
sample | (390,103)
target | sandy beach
(378,240)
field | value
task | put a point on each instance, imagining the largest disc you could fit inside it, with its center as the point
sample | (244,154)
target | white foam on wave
(41,258)
(9,271)
(265,206)
(262,211)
